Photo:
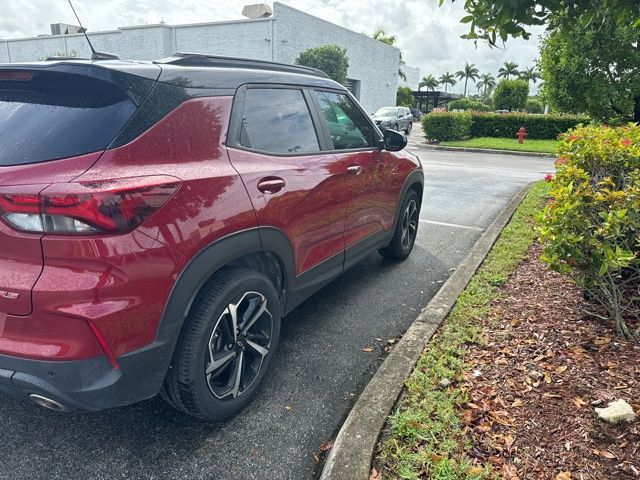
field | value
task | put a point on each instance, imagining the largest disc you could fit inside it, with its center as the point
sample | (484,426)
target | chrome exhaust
(47,403)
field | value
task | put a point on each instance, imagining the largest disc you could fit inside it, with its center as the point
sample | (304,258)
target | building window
(353,86)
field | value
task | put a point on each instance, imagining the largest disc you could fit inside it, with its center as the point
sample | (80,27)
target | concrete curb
(352,452)
(427,146)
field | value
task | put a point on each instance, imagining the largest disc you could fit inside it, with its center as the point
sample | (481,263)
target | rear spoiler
(135,79)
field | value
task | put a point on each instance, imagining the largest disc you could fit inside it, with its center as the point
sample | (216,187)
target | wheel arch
(414,181)
(243,249)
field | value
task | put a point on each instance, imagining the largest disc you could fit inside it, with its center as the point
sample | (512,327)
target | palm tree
(380,35)
(429,81)
(447,79)
(469,72)
(508,69)
(529,75)
(486,84)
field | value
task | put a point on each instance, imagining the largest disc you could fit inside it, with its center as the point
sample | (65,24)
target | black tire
(408,129)
(404,236)
(206,341)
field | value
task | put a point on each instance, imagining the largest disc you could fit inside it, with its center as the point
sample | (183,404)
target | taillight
(87,208)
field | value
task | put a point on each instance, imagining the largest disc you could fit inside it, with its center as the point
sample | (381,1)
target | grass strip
(424,437)
(537,146)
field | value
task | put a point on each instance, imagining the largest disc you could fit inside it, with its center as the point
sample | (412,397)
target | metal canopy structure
(428,100)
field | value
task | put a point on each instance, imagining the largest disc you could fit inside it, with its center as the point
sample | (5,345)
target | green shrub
(591,226)
(542,127)
(331,59)
(533,106)
(404,97)
(511,95)
(444,127)
(468,104)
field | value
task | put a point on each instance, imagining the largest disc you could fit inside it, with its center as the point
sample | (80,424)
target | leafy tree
(486,84)
(533,106)
(511,95)
(529,75)
(508,69)
(380,35)
(331,59)
(404,97)
(447,79)
(594,69)
(429,81)
(469,72)
(500,19)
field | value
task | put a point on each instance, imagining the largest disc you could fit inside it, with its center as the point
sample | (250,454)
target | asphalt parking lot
(320,367)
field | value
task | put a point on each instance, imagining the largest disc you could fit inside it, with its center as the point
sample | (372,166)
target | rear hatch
(55,121)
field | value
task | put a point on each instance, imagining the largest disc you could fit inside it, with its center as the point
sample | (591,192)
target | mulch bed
(533,386)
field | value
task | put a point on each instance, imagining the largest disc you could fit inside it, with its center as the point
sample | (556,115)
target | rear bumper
(90,384)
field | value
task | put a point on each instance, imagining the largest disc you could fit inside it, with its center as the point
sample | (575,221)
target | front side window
(347,125)
(277,120)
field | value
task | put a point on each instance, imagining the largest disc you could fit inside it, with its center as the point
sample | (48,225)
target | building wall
(413,77)
(281,38)
(373,63)
(244,38)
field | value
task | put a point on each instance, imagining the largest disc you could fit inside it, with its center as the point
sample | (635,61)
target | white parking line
(454,225)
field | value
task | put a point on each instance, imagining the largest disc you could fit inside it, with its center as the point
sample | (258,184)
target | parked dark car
(158,219)
(417,114)
(394,118)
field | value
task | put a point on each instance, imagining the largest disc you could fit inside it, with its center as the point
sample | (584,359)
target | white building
(373,66)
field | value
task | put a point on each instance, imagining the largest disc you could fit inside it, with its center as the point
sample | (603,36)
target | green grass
(539,146)
(424,436)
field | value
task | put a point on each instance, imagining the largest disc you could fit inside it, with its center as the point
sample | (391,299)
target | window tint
(57,115)
(347,125)
(277,121)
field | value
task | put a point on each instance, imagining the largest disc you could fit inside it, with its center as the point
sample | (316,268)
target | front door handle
(271,184)
(354,169)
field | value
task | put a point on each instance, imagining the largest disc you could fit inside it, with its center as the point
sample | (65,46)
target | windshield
(386,112)
(52,115)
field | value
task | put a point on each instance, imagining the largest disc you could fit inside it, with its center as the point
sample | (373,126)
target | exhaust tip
(47,403)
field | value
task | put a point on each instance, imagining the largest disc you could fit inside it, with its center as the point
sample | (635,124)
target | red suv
(158,219)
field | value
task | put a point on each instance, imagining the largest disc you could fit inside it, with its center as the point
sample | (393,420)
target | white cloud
(429,36)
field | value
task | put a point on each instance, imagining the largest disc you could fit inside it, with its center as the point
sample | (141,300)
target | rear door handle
(354,169)
(271,184)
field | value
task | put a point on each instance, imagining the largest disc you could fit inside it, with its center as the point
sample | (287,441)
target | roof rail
(205,60)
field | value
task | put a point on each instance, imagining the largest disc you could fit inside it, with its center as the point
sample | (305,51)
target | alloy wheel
(409,225)
(239,343)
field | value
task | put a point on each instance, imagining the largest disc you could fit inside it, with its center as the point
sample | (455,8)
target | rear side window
(348,127)
(277,120)
(51,115)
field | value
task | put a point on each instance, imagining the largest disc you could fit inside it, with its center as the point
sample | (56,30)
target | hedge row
(468,104)
(543,127)
(444,127)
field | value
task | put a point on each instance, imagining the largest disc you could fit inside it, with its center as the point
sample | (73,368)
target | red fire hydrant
(521,134)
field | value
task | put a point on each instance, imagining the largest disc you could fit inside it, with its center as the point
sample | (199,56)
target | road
(320,367)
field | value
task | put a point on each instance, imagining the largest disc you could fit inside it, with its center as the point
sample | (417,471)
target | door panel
(310,208)
(371,203)
(293,186)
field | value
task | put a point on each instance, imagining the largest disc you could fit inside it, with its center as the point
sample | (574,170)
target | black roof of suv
(160,86)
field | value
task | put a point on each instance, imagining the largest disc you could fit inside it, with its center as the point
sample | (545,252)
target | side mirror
(394,141)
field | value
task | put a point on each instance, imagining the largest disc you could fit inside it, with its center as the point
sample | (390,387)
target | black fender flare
(414,178)
(190,281)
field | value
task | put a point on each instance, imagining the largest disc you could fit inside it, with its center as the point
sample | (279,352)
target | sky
(428,35)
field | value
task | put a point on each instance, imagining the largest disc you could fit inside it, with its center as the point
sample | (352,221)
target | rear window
(57,115)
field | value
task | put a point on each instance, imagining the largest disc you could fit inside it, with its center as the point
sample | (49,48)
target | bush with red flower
(591,229)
